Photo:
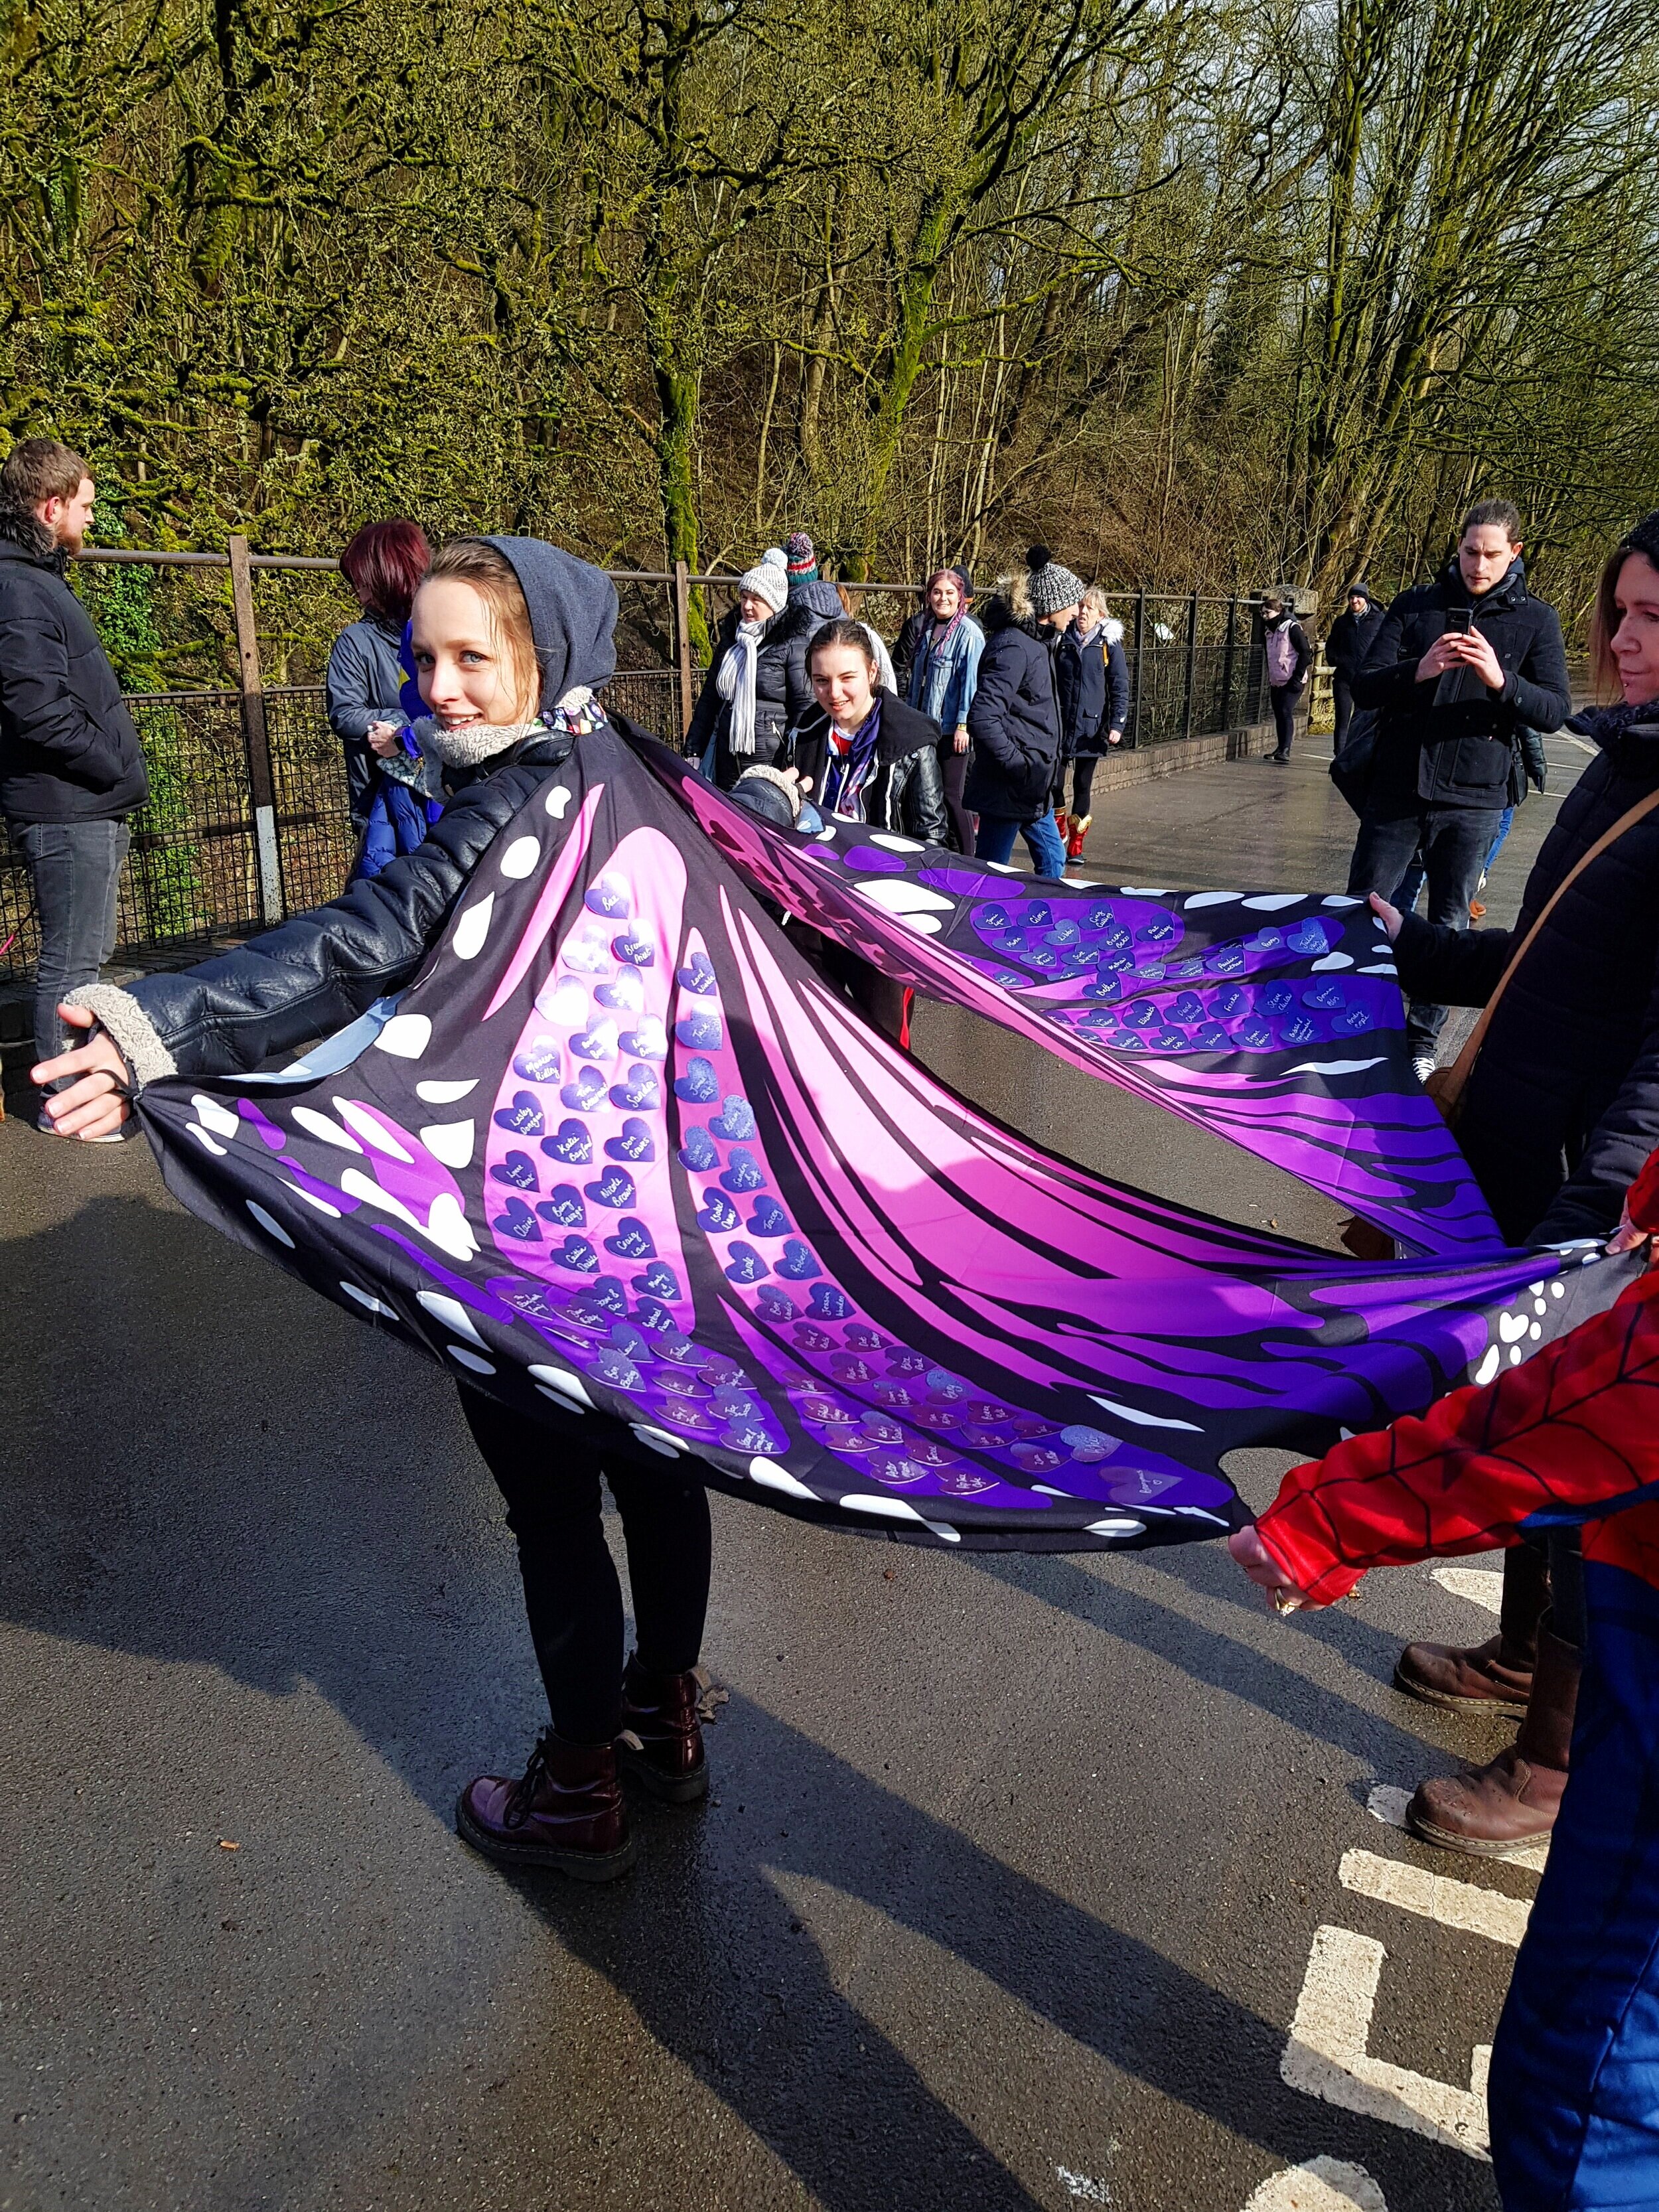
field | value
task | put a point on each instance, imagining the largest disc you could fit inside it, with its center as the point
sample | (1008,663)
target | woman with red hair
(384,564)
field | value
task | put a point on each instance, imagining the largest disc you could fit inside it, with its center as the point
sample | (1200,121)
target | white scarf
(735,682)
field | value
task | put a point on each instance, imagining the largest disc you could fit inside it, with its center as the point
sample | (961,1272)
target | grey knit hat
(1052,585)
(768,578)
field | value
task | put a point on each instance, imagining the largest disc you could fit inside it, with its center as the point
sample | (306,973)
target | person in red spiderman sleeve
(1571,1435)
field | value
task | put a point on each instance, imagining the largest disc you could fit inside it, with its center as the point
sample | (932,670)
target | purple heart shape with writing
(746,1264)
(734,1119)
(633,1241)
(769,1219)
(519,1169)
(638,951)
(626,996)
(614,1188)
(607,898)
(698,975)
(634,1143)
(539,1060)
(586,1092)
(640,1090)
(597,1043)
(743,1173)
(700,1032)
(827,1302)
(564,1209)
(572,1144)
(649,1040)
(523,1116)
(697,1086)
(776,1305)
(659,1281)
(577,1254)
(699,1153)
(719,1215)
(518,1221)
(798,1262)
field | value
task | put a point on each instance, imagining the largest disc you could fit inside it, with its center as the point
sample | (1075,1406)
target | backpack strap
(1447,1086)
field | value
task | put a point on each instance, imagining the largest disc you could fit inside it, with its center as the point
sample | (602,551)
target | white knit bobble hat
(768,578)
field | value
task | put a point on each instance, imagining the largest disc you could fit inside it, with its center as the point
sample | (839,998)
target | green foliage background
(1200,294)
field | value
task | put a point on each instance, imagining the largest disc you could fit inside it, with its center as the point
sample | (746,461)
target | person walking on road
(384,564)
(1347,648)
(72,773)
(1569,1436)
(1092,677)
(757,690)
(944,678)
(1289,657)
(511,639)
(1560,1110)
(1455,668)
(1014,719)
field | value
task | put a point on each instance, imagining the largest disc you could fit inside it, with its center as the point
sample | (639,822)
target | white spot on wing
(658,1440)
(458,1351)
(453,1314)
(520,857)
(557,800)
(445,1094)
(319,1125)
(1210,898)
(1332,960)
(450,1141)
(368,1302)
(213,1114)
(1489,1365)
(771,1476)
(405,1037)
(894,1509)
(559,1383)
(901,897)
(472,929)
(1143,1420)
(269,1224)
(204,1140)
(1121,1525)
(360,1118)
(1272,902)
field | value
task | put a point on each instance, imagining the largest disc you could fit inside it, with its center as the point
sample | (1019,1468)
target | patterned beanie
(803,557)
(769,579)
(1052,586)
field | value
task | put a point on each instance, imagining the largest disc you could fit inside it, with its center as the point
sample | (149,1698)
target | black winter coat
(1092,687)
(1562,1107)
(1352,637)
(317,971)
(905,793)
(68,751)
(1014,721)
(907,644)
(1458,752)
(783,694)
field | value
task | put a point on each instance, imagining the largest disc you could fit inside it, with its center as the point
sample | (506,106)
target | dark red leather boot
(566,1812)
(1495,1676)
(660,1746)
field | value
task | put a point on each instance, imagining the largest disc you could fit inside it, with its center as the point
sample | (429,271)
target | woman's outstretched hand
(1389,917)
(92,1106)
(1264,1570)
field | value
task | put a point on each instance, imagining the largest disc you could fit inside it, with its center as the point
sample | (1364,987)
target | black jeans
(551,1485)
(1082,782)
(1284,697)
(953,771)
(75,871)
(1452,841)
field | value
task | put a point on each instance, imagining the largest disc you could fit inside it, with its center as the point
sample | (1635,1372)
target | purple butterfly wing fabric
(1272,1019)
(619,1158)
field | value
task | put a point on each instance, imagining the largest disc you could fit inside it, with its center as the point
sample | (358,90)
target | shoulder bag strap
(1446,1085)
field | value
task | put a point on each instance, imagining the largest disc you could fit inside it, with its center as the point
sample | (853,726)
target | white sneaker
(1423,1065)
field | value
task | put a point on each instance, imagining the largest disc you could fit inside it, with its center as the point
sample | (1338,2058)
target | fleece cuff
(147,1058)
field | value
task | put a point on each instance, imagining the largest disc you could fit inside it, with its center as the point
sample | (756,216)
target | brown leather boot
(660,1746)
(566,1812)
(1495,1676)
(1513,1798)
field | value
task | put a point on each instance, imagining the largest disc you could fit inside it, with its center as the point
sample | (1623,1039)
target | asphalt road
(1008,1889)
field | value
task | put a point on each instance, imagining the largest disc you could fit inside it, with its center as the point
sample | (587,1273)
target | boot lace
(522,1796)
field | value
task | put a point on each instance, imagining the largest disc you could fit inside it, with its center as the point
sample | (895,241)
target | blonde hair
(1095,596)
(475,561)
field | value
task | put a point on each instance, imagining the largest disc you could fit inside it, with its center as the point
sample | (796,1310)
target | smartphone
(1460,620)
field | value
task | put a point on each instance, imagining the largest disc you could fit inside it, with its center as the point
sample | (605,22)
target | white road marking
(1478,1584)
(1084,2186)
(1387,1804)
(1323,2184)
(1435,1897)
(1327,2056)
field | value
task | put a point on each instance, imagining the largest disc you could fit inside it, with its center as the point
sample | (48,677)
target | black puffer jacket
(1458,752)
(906,791)
(1563,1105)
(907,644)
(1014,719)
(783,696)
(1092,690)
(317,971)
(1352,637)
(68,751)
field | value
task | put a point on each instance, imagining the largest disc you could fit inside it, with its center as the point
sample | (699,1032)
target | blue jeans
(76,869)
(996,842)
(1452,841)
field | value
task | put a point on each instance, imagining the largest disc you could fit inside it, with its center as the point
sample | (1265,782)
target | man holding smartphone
(1456,668)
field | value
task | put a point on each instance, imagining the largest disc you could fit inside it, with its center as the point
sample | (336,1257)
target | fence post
(1227,663)
(255,736)
(1192,665)
(683,640)
(1140,667)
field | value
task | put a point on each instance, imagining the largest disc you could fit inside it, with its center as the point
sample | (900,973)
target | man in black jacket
(70,770)
(1347,648)
(1457,667)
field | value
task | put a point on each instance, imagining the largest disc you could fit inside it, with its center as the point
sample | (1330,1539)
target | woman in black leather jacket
(510,637)
(864,754)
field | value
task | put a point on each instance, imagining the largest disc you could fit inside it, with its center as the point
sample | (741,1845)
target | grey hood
(573,616)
